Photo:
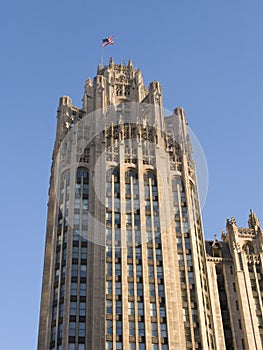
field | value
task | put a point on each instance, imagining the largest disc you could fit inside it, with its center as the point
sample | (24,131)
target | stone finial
(111,62)
(231,224)
(233,221)
(216,247)
(65,101)
(89,82)
(216,244)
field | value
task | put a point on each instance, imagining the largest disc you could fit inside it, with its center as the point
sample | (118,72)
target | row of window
(71,346)
(132,346)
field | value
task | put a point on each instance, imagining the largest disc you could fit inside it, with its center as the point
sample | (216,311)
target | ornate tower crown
(117,83)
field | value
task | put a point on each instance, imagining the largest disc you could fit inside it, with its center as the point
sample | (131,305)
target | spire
(130,63)
(253,221)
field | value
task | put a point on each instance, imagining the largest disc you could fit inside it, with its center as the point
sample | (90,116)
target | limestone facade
(126,265)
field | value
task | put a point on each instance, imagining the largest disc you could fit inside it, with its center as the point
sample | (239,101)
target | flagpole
(104,43)
(102,58)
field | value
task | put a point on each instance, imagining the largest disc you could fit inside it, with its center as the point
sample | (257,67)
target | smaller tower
(236,285)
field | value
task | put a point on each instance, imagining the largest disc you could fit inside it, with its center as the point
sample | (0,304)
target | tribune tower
(125,264)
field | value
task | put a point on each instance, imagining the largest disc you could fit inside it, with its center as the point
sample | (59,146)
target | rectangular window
(152,290)
(129,239)
(189,260)
(139,289)
(131,328)
(151,271)
(159,272)
(109,269)
(74,271)
(118,327)
(77,203)
(75,235)
(108,287)
(138,253)
(109,327)
(83,270)
(153,309)
(109,306)
(84,219)
(118,288)
(117,234)
(141,329)
(130,289)
(154,329)
(138,270)
(54,313)
(131,308)
(161,290)
(61,310)
(162,310)
(73,308)
(82,309)
(82,291)
(62,291)
(85,189)
(53,333)
(83,253)
(117,269)
(108,251)
(76,219)
(150,253)
(72,329)
(108,218)
(118,307)
(82,329)
(74,288)
(140,309)
(130,270)
(109,345)
(163,330)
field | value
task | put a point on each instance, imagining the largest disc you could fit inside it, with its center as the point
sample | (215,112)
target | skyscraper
(125,258)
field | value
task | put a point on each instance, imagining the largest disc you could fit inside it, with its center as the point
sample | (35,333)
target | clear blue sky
(208,57)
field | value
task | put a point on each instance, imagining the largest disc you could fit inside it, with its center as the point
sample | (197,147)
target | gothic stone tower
(236,286)
(125,264)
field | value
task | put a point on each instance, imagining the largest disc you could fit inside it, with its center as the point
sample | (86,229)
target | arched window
(82,173)
(132,209)
(131,174)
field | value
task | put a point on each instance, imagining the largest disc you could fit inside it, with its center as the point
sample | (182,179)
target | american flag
(107,41)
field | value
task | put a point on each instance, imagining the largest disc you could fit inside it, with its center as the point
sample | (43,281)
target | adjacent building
(236,285)
(126,265)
